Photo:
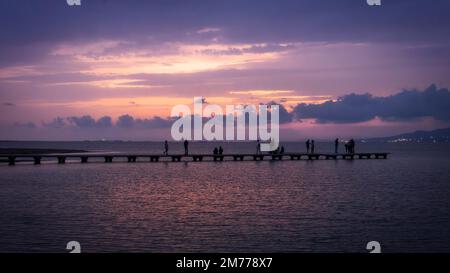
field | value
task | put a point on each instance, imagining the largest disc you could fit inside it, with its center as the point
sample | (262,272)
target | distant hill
(439,135)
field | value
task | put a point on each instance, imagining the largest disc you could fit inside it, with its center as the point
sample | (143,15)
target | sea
(402,202)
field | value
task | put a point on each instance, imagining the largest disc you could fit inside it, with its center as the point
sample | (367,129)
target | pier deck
(132,158)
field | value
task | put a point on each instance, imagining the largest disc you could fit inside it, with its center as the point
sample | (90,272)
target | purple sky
(339,68)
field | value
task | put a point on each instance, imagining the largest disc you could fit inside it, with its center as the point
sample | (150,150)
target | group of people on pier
(218,151)
(310,147)
(349,146)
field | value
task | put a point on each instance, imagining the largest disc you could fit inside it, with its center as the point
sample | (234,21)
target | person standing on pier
(336,145)
(186,147)
(352,146)
(312,146)
(307,146)
(166,147)
(220,150)
(258,147)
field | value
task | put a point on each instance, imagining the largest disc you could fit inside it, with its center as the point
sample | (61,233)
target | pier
(133,158)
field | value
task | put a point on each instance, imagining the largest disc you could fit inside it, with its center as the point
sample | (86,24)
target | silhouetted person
(307,146)
(347,147)
(215,152)
(336,145)
(352,146)
(220,150)
(186,147)
(258,146)
(166,147)
(282,150)
(312,146)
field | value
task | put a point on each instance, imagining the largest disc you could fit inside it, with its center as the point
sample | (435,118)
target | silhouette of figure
(312,146)
(307,146)
(220,150)
(215,152)
(336,145)
(352,146)
(258,147)
(282,150)
(186,147)
(166,147)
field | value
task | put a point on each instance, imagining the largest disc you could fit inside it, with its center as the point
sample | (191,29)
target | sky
(112,69)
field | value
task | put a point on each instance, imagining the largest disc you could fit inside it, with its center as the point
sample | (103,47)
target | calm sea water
(289,206)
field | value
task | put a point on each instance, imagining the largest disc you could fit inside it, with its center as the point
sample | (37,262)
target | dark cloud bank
(32,29)
(407,105)
(124,121)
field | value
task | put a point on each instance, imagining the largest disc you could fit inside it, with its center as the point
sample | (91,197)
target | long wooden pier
(132,158)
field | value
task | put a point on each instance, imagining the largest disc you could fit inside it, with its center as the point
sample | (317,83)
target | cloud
(104,122)
(261,92)
(89,122)
(8,104)
(208,30)
(56,123)
(406,105)
(26,125)
(285,116)
(264,22)
(125,121)
(82,122)
(156,122)
(432,103)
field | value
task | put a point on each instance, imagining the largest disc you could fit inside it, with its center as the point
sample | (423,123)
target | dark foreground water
(300,206)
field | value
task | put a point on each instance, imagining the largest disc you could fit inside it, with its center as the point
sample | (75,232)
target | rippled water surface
(300,206)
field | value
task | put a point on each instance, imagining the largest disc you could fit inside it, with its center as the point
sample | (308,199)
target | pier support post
(383,156)
(258,157)
(275,157)
(11,160)
(154,158)
(349,156)
(37,160)
(84,159)
(61,159)
(198,158)
(108,159)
